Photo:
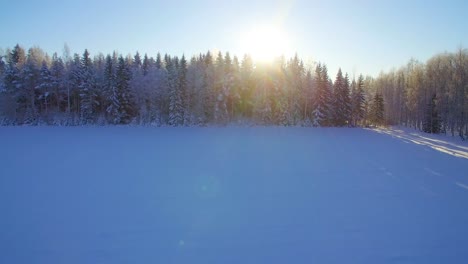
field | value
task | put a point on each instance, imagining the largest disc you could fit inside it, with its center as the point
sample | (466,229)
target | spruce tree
(57,72)
(308,97)
(294,72)
(208,92)
(339,114)
(346,101)
(228,85)
(123,76)
(184,100)
(28,98)
(358,101)
(87,87)
(158,61)
(44,88)
(322,113)
(283,114)
(137,61)
(120,108)
(176,117)
(18,56)
(13,84)
(146,64)
(73,88)
(262,112)
(234,92)
(2,72)
(220,107)
(112,104)
(245,105)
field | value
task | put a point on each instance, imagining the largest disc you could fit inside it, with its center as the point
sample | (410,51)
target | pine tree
(431,119)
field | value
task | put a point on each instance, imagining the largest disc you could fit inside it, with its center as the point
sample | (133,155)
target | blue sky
(361,36)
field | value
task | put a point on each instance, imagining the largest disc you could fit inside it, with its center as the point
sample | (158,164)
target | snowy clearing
(230,195)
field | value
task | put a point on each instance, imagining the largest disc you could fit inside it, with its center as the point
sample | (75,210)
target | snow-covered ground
(448,144)
(230,195)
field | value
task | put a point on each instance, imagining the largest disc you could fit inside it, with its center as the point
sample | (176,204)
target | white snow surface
(231,195)
(448,144)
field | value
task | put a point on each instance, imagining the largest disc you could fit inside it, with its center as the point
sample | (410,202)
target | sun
(265,43)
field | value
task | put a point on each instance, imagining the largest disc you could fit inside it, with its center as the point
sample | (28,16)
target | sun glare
(265,43)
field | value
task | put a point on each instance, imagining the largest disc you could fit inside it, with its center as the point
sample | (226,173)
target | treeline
(431,96)
(168,90)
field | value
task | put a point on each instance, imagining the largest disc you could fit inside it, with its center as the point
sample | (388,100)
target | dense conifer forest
(220,89)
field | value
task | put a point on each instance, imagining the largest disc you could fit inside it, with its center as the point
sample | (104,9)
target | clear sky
(361,36)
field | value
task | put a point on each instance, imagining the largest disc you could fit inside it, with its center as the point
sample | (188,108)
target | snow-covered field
(230,195)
